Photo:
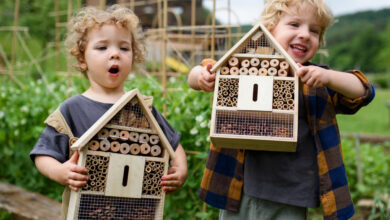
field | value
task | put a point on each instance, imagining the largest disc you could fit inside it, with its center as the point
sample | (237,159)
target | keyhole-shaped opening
(255,92)
(125,175)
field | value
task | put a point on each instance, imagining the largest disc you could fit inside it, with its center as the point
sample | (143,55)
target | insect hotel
(126,154)
(255,102)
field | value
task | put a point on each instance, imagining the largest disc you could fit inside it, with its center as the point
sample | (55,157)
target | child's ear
(83,66)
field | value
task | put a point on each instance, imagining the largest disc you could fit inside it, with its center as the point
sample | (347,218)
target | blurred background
(37,74)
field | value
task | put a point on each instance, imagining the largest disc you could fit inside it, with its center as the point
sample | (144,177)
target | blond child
(274,185)
(106,44)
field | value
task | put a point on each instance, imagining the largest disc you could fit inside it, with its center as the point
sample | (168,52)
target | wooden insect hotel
(255,102)
(126,154)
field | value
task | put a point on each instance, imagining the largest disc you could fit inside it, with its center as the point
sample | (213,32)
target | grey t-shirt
(80,114)
(289,178)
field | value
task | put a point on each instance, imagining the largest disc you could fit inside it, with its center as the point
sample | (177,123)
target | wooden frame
(251,123)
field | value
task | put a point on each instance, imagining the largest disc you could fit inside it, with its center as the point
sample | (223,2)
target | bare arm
(344,83)
(67,174)
(177,173)
(200,78)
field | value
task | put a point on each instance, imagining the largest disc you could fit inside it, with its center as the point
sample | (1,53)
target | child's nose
(114,54)
(304,33)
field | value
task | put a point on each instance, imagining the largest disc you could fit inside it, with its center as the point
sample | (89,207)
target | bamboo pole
(132,5)
(13,50)
(164,51)
(358,159)
(213,32)
(68,58)
(229,28)
(57,38)
(102,4)
(193,23)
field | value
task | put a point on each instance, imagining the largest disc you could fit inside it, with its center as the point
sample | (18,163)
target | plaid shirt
(223,177)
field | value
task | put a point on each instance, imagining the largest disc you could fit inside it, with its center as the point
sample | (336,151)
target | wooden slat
(27,205)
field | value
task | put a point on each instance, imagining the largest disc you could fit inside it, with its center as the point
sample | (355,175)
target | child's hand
(174,179)
(177,173)
(206,80)
(313,76)
(74,176)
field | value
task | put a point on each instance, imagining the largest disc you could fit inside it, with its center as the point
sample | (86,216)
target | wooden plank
(24,204)
(140,130)
(117,174)
(272,144)
(261,56)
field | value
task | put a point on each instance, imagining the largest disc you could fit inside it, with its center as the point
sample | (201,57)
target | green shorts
(252,208)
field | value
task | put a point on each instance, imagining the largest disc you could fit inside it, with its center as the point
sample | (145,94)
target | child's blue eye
(101,48)
(294,24)
(125,49)
(315,31)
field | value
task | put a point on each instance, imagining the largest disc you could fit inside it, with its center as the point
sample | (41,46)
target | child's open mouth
(114,70)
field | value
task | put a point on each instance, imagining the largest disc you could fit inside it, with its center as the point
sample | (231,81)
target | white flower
(37,90)
(199,118)
(1,115)
(131,76)
(24,108)
(16,132)
(203,124)
(177,110)
(172,79)
(23,122)
(197,143)
(194,131)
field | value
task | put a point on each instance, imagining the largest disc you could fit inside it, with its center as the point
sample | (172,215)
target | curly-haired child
(106,44)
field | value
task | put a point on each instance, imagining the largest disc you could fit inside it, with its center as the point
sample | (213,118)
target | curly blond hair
(273,10)
(90,17)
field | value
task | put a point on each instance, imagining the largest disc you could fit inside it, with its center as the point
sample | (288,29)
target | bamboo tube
(282,72)
(255,62)
(263,71)
(154,139)
(145,148)
(244,71)
(272,71)
(234,71)
(155,150)
(289,96)
(245,63)
(264,63)
(274,63)
(135,149)
(103,134)
(124,149)
(290,101)
(284,65)
(93,145)
(233,62)
(148,169)
(253,71)
(104,145)
(143,138)
(225,70)
(114,134)
(134,136)
(115,146)
(124,135)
